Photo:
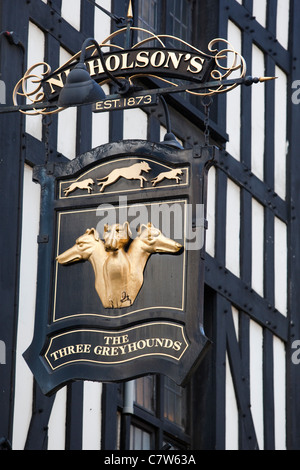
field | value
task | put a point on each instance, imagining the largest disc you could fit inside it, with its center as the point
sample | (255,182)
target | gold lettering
(95,67)
(131,347)
(56,82)
(125,62)
(141,344)
(112,58)
(114,351)
(195,63)
(54,354)
(177,345)
(107,104)
(116,339)
(142,59)
(123,349)
(99,105)
(87,348)
(98,350)
(69,350)
(174,59)
(161,59)
(115,102)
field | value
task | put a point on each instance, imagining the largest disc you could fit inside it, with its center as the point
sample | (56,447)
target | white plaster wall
(35,54)
(57,421)
(135,124)
(280,258)
(91,439)
(100,125)
(258,114)
(70,11)
(280,393)
(280,134)
(211,210)
(233,109)
(256,380)
(28,272)
(102,21)
(283,14)
(233,228)
(257,247)
(260,11)
(231,413)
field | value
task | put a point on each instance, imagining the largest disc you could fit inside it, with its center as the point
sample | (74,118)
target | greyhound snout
(174,247)
(111,244)
(69,256)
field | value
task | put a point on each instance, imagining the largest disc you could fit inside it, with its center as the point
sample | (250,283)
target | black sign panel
(120,276)
(172,63)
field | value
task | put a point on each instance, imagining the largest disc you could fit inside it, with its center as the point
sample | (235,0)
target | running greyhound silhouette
(119,273)
(85,184)
(133,172)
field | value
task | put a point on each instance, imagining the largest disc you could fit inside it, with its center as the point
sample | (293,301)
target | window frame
(156,424)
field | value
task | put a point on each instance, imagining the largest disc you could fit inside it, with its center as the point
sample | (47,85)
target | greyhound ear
(141,228)
(106,227)
(95,233)
(127,227)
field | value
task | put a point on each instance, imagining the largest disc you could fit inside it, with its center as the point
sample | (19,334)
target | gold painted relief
(149,176)
(133,172)
(118,264)
(170,175)
(85,184)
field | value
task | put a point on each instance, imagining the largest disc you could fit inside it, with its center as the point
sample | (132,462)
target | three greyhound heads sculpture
(118,261)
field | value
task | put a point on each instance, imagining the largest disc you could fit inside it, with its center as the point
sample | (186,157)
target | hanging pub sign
(121,270)
(201,73)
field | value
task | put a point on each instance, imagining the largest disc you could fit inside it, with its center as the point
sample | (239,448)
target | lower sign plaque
(109,347)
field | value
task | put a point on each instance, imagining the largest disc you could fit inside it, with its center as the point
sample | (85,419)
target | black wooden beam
(11,188)
(244,298)
(37,437)
(240,383)
(264,38)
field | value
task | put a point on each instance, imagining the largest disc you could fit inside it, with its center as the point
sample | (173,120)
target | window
(160,415)
(139,439)
(145,389)
(147,17)
(174,403)
(173,17)
(179,23)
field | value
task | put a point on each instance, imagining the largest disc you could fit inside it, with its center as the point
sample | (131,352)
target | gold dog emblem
(118,264)
(133,172)
(170,175)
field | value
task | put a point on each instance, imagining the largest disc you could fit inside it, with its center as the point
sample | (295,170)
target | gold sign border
(148,188)
(181,309)
(120,332)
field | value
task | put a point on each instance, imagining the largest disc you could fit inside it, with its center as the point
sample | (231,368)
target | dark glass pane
(139,439)
(145,392)
(175,403)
